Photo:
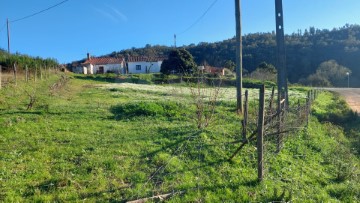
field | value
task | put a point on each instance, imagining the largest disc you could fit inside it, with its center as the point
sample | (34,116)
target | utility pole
(239,103)
(8,34)
(280,52)
(283,98)
(175,40)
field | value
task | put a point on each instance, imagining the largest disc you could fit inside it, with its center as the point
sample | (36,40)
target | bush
(148,109)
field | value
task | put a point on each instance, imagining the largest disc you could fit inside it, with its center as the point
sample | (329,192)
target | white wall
(90,69)
(116,68)
(93,69)
(152,67)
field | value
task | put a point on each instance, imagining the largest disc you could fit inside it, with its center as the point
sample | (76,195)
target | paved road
(351,95)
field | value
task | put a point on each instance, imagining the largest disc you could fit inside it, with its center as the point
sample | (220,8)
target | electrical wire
(200,18)
(36,13)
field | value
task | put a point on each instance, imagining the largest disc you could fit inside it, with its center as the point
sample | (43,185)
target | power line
(36,13)
(200,18)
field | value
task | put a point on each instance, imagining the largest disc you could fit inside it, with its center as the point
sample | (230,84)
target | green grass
(96,142)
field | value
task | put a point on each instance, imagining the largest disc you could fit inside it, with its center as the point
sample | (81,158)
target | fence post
(35,74)
(246,113)
(26,73)
(49,73)
(15,79)
(272,98)
(299,108)
(280,111)
(260,136)
(41,73)
(308,108)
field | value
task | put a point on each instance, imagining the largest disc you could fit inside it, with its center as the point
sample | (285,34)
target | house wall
(114,68)
(80,70)
(94,69)
(89,69)
(146,67)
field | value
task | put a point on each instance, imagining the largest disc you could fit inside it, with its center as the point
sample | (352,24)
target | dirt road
(351,95)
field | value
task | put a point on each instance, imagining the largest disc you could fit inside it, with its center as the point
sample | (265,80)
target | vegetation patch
(170,110)
(331,108)
(73,149)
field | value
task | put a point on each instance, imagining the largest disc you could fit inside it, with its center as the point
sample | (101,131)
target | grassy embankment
(116,143)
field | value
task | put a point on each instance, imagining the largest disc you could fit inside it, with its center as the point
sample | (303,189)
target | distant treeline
(7,61)
(305,51)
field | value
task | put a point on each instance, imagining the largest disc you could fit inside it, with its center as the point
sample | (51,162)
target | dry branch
(156,198)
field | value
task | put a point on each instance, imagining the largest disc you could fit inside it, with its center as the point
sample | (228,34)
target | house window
(138,67)
(101,70)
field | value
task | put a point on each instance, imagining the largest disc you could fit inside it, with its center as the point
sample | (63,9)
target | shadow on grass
(22,112)
(55,185)
(178,138)
(102,78)
(47,186)
(215,189)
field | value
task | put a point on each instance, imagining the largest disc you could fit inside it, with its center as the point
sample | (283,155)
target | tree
(229,64)
(333,72)
(316,80)
(265,72)
(329,73)
(179,61)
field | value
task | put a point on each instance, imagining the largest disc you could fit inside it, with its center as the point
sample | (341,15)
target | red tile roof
(144,58)
(104,60)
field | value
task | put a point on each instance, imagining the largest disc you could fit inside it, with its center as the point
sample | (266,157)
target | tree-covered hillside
(305,51)
(21,60)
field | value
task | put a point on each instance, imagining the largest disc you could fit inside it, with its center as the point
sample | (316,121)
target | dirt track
(351,95)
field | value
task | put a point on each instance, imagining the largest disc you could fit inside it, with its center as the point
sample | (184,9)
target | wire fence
(278,125)
(14,74)
(164,171)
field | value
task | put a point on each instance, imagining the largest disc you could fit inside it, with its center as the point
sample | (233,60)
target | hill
(305,51)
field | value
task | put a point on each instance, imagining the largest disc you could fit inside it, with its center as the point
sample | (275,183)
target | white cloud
(122,16)
(112,14)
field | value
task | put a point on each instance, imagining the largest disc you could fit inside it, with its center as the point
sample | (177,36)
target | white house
(144,64)
(102,65)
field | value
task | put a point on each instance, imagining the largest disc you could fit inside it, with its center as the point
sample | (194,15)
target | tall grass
(96,143)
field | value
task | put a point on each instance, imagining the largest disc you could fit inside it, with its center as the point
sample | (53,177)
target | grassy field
(94,141)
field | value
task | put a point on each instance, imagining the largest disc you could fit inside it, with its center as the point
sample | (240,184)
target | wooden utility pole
(174,40)
(8,34)
(239,103)
(283,99)
(260,136)
(280,52)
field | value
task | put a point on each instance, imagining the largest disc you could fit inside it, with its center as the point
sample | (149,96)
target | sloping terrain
(351,95)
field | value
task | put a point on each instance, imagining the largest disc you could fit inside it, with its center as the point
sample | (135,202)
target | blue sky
(69,31)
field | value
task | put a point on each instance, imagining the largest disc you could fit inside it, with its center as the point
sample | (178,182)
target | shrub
(148,109)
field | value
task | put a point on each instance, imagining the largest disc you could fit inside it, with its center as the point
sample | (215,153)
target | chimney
(88,56)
